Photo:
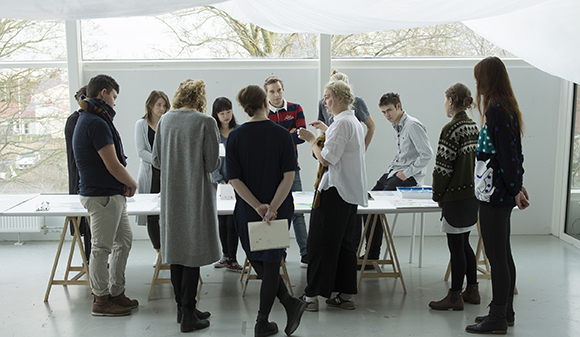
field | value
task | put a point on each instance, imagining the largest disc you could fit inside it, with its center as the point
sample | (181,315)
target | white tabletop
(148,204)
(8,201)
(70,205)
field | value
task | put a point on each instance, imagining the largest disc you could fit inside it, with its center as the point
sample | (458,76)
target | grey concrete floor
(548,303)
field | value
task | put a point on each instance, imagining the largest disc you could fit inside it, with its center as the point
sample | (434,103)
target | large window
(573,211)
(446,40)
(198,33)
(34,105)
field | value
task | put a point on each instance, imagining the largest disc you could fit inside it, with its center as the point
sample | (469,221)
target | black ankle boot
(294,309)
(264,328)
(199,314)
(190,322)
(510,314)
(494,323)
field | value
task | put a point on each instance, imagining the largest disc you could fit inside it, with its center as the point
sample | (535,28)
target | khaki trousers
(112,235)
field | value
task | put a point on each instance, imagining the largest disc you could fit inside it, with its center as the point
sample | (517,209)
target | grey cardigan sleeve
(142,142)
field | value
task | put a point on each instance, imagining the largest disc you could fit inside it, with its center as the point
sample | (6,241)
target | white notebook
(264,236)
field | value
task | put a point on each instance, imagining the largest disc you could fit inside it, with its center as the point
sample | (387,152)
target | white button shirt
(413,149)
(344,149)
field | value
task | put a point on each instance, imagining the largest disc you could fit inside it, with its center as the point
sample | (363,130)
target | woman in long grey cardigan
(186,151)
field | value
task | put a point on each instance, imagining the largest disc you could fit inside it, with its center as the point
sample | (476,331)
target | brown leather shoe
(453,301)
(102,306)
(471,294)
(124,301)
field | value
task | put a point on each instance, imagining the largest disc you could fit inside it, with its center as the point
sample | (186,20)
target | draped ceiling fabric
(541,32)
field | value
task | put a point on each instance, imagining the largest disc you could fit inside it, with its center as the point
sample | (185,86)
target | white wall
(421,84)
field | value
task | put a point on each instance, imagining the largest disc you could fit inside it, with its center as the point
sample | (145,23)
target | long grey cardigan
(186,151)
(145,166)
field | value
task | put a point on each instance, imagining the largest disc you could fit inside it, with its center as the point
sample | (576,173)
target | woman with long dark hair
(226,121)
(498,187)
(149,179)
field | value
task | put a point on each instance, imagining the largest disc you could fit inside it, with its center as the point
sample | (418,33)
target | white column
(74,60)
(324,61)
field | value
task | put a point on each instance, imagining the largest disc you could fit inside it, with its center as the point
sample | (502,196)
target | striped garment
(290,116)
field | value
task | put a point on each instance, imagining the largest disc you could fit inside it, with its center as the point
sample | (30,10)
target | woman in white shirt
(331,254)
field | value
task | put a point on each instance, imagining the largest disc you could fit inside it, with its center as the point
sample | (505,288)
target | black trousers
(331,254)
(463,263)
(184,280)
(153,220)
(228,236)
(85,232)
(272,285)
(495,231)
(383,184)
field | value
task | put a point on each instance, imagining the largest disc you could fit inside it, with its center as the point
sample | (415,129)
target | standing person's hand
(319,125)
(266,212)
(130,190)
(522,199)
(306,135)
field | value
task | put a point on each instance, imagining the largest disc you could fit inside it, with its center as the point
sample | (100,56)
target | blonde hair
(190,93)
(341,89)
(336,76)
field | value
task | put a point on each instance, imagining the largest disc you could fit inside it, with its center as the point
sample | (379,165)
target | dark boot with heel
(294,309)
(199,314)
(190,322)
(494,323)
(471,294)
(263,328)
(453,300)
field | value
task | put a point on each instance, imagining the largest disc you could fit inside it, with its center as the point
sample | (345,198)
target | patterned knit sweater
(454,164)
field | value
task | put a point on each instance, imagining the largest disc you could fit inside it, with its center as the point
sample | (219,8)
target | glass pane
(23,40)
(446,40)
(573,213)
(34,106)
(202,32)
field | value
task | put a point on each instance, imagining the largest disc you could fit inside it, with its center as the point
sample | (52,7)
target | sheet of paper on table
(264,236)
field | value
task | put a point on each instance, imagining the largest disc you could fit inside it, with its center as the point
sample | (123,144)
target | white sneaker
(221,263)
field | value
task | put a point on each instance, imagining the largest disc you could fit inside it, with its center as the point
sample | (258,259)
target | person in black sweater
(498,187)
(73,172)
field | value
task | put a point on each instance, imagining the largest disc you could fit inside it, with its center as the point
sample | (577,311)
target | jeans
(383,184)
(298,218)
(112,235)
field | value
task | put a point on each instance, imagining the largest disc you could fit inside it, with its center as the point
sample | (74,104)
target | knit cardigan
(455,160)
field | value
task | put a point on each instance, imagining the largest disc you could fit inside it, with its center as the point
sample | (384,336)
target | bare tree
(223,36)
(33,109)
(220,35)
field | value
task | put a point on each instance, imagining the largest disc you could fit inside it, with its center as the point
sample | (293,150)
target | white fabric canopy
(541,32)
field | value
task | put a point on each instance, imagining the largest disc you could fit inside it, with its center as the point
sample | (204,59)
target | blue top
(258,154)
(220,175)
(92,134)
(359,107)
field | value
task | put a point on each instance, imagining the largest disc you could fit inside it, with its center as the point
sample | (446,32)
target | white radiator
(20,224)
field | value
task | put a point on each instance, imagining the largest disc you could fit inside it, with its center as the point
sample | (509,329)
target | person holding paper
(331,250)
(226,121)
(261,164)
(186,150)
(453,190)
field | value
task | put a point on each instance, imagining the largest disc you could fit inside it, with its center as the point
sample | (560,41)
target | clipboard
(263,236)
